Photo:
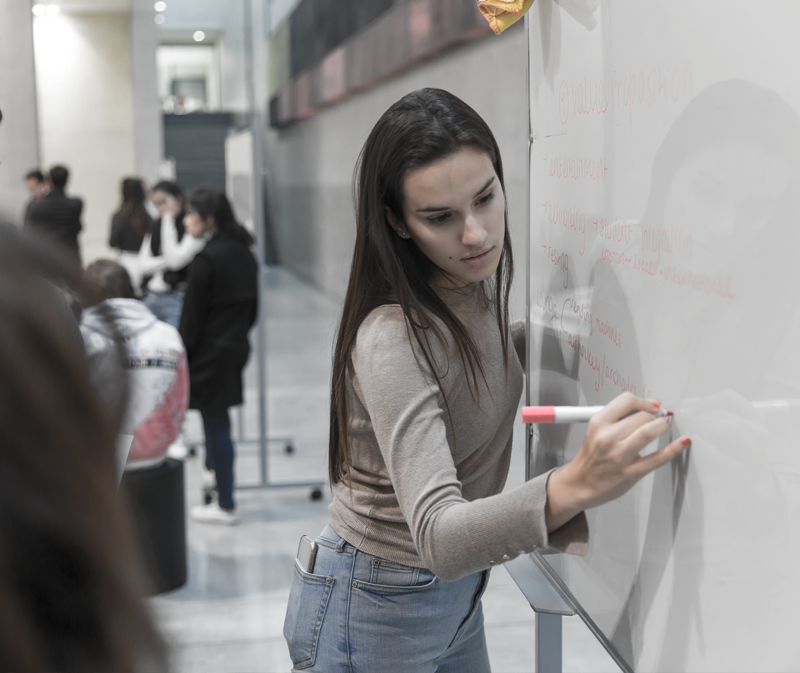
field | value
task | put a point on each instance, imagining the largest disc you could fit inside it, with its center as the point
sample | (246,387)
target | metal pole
(548,643)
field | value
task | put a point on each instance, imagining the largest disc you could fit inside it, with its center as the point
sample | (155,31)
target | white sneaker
(213,513)
(178,449)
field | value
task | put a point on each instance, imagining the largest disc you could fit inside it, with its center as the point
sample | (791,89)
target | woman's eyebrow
(435,209)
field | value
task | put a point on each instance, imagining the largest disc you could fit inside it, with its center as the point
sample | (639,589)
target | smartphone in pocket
(307,554)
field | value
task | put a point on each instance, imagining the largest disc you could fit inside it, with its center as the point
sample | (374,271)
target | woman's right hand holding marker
(608,463)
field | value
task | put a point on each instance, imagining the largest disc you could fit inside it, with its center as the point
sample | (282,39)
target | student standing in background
(219,310)
(37,187)
(129,225)
(168,252)
(58,216)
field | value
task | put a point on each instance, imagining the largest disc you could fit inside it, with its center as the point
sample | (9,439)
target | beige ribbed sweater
(416,497)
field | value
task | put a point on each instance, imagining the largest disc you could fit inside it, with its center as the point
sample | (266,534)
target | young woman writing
(426,383)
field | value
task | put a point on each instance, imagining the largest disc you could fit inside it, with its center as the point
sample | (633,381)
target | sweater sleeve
(177,254)
(453,537)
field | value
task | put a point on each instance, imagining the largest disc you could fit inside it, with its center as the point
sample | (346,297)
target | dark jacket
(58,217)
(123,237)
(219,309)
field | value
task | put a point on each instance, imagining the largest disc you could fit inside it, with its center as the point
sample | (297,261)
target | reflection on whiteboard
(664,189)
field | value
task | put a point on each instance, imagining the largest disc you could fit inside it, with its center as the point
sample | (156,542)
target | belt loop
(340,545)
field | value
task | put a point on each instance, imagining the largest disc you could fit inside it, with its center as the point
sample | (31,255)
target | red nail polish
(656,404)
(686,441)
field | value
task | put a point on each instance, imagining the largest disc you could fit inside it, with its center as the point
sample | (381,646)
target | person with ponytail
(427,379)
(219,310)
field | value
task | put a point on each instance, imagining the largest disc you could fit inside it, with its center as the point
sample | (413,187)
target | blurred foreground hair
(70,578)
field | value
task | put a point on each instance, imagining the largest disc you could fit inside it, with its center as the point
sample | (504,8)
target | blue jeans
(166,307)
(219,453)
(358,613)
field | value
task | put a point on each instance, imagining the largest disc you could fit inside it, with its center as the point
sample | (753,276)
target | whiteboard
(664,233)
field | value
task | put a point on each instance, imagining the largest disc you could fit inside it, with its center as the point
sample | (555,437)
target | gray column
(148,130)
(19,131)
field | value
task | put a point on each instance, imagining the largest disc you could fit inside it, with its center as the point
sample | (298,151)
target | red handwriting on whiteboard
(698,281)
(616,377)
(605,372)
(668,85)
(559,259)
(549,307)
(575,310)
(615,258)
(570,217)
(661,86)
(584,168)
(618,231)
(586,354)
(670,240)
(581,98)
(648,266)
(607,329)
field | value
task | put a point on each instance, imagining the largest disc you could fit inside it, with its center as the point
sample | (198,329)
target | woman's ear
(394,223)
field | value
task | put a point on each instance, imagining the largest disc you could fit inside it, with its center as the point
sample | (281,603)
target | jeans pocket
(308,601)
(393,574)
(392,578)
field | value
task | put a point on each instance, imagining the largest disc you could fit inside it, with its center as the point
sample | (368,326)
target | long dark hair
(70,581)
(209,202)
(132,208)
(420,128)
(171,188)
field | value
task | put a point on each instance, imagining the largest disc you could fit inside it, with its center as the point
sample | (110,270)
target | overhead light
(39,10)
(159,19)
(53,10)
(160,6)
(199,36)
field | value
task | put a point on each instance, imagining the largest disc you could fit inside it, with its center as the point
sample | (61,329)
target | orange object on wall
(502,13)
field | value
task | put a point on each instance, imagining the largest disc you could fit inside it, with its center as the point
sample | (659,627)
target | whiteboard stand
(549,604)
(253,39)
(263,439)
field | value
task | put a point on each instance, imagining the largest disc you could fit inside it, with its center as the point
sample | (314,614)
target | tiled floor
(229,616)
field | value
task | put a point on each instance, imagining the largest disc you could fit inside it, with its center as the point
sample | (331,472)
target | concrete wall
(311,162)
(86,119)
(147,125)
(19,136)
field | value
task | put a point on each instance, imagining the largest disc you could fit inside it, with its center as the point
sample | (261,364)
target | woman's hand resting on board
(608,463)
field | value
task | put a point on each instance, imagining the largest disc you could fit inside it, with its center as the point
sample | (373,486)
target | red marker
(567,414)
